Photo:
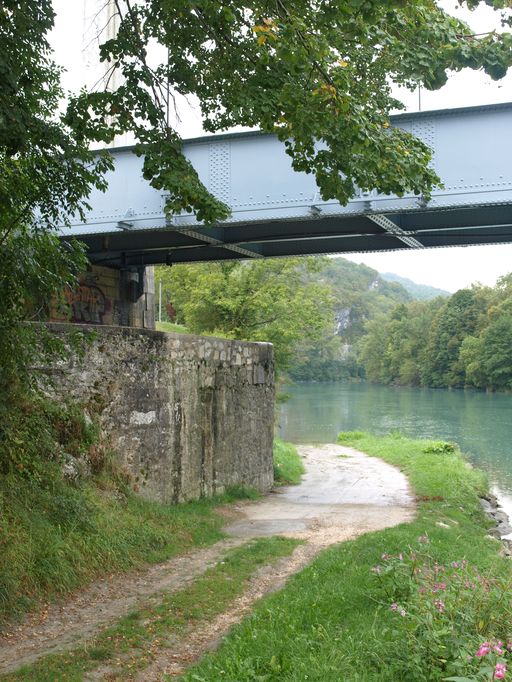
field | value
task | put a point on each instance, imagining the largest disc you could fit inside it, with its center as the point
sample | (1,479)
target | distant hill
(360,295)
(419,292)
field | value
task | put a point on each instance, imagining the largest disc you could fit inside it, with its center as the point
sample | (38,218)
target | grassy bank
(288,466)
(59,538)
(58,533)
(415,602)
(171,327)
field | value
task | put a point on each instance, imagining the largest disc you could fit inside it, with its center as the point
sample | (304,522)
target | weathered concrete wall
(188,415)
(108,296)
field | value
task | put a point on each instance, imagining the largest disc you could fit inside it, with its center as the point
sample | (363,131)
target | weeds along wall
(187,415)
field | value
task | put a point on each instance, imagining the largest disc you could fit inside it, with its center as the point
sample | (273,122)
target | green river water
(481,423)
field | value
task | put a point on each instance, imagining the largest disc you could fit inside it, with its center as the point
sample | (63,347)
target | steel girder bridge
(278,212)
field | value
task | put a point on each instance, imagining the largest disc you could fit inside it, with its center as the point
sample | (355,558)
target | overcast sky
(448,268)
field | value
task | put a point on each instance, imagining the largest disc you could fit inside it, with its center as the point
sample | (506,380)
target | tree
(394,348)
(497,352)
(317,74)
(465,340)
(460,316)
(263,300)
(46,174)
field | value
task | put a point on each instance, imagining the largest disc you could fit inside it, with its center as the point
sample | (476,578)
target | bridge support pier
(121,297)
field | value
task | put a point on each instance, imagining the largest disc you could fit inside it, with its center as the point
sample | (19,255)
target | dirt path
(343,494)
(63,626)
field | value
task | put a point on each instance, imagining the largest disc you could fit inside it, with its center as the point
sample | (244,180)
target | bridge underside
(278,212)
(339,234)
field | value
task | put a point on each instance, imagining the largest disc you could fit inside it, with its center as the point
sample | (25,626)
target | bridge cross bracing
(278,212)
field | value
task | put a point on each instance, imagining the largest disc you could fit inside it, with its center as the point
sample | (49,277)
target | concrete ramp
(344,493)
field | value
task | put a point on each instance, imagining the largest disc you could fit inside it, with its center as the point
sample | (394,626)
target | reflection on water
(481,423)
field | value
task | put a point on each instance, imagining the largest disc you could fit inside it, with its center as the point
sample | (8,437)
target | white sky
(450,268)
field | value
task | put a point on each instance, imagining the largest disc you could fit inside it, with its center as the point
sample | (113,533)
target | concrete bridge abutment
(188,416)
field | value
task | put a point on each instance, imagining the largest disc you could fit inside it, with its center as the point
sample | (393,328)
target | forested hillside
(360,295)
(330,319)
(465,340)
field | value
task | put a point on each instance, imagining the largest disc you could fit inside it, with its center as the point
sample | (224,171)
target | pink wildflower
(499,671)
(423,539)
(376,569)
(483,650)
(394,606)
(438,587)
(402,613)
(498,648)
(401,556)
(455,564)
(385,557)
(509,646)
(440,605)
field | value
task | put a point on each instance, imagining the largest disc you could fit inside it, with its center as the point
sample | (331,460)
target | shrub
(441,447)
(449,620)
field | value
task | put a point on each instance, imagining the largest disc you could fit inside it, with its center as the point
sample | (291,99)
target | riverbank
(417,602)
(479,422)
(426,600)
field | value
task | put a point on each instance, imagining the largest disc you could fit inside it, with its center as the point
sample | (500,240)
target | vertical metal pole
(419,97)
(160,301)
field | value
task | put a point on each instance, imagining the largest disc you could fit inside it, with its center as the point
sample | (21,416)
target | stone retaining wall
(188,415)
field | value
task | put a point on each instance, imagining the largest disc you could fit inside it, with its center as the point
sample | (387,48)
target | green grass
(288,467)
(171,327)
(132,643)
(58,538)
(181,329)
(57,535)
(329,623)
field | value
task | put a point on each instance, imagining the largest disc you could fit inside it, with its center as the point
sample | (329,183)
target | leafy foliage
(46,174)
(265,300)
(465,340)
(40,435)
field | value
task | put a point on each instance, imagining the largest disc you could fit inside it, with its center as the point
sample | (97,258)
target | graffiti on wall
(87,303)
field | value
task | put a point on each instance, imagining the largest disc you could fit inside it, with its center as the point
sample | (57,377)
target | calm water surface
(481,423)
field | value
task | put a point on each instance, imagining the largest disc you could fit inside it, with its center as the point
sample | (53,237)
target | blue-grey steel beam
(278,212)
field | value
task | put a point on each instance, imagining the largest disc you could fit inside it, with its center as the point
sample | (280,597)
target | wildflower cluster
(490,658)
(442,615)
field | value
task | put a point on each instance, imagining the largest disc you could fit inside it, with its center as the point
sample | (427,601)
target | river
(481,423)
